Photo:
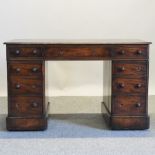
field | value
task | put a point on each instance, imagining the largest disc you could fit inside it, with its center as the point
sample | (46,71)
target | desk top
(77,41)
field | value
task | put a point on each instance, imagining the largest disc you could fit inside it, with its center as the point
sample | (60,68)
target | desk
(127,104)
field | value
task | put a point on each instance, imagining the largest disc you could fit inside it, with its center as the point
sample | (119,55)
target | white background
(76,19)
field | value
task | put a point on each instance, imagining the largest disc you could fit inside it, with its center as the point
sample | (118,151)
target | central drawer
(77,52)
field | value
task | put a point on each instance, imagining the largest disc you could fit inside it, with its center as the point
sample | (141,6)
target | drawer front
(124,85)
(127,52)
(128,105)
(25,86)
(26,106)
(25,68)
(77,52)
(132,68)
(26,52)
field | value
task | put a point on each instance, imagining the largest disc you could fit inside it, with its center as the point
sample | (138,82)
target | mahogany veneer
(127,104)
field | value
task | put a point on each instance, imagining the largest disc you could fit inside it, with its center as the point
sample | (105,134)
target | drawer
(25,68)
(25,106)
(127,52)
(126,85)
(129,68)
(25,86)
(77,52)
(26,52)
(129,105)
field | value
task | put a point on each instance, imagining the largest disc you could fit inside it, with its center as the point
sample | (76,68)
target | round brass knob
(122,52)
(61,52)
(33,86)
(139,52)
(17,52)
(139,85)
(138,68)
(34,69)
(121,85)
(18,70)
(121,69)
(34,104)
(17,106)
(34,51)
(138,105)
(18,86)
(121,105)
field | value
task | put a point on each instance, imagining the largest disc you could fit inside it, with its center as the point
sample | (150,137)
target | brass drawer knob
(139,85)
(122,52)
(121,69)
(17,52)
(18,86)
(139,52)
(33,86)
(61,52)
(34,104)
(17,70)
(34,69)
(35,51)
(138,105)
(121,85)
(139,68)
(17,106)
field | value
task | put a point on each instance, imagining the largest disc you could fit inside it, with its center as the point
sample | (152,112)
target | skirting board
(74,104)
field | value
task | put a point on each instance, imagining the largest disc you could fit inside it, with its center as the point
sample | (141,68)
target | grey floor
(77,134)
(76,126)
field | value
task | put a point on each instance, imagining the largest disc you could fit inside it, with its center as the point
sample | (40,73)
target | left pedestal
(26,94)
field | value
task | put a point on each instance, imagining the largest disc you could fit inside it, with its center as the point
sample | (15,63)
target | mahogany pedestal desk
(128,66)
